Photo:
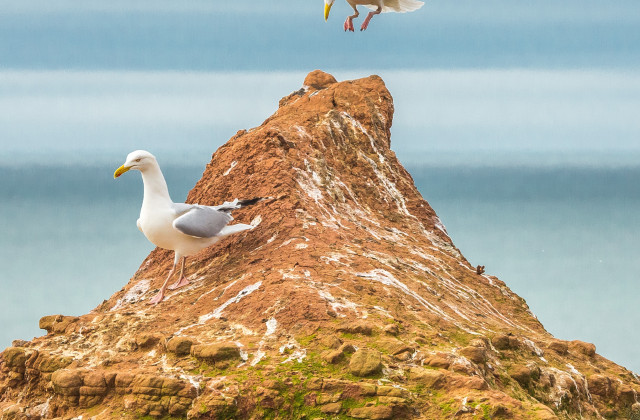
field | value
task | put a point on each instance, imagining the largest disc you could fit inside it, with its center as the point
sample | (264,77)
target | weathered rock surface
(347,300)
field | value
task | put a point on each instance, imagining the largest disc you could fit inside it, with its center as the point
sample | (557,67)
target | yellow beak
(120,171)
(327,7)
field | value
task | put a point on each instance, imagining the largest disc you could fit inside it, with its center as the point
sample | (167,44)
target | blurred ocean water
(565,239)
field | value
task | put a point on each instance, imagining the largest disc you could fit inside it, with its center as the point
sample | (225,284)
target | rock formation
(349,300)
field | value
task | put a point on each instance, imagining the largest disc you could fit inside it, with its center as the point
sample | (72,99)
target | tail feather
(229,206)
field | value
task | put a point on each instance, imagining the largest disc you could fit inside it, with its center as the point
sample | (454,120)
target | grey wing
(200,221)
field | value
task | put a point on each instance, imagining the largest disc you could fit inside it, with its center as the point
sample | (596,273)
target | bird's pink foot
(157,298)
(348,24)
(365,24)
(182,282)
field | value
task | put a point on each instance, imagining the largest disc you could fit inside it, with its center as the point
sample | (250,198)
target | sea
(564,237)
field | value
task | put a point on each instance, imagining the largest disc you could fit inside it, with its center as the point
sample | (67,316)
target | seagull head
(327,7)
(139,160)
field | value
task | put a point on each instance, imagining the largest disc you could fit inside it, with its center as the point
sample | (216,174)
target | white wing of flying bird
(183,228)
(398,6)
(377,7)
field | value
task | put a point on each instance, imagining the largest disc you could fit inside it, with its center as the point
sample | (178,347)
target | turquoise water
(566,240)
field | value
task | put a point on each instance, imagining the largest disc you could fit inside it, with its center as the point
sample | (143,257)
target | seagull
(183,228)
(378,6)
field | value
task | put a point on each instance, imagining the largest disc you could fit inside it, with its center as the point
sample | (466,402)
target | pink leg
(182,279)
(365,24)
(158,298)
(348,24)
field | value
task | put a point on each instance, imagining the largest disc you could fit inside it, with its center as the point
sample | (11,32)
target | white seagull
(184,228)
(378,6)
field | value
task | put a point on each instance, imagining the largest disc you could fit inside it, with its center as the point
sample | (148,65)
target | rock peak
(318,79)
(348,298)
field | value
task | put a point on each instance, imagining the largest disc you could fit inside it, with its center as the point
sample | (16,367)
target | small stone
(559,346)
(599,385)
(14,357)
(216,353)
(505,342)
(393,346)
(431,378)
(318,79)
(626,395)
(46,362)
(439,360)
(66,382)
(181,346)
(475,354)
(466,382)
(378,412)
(123,380)
(365,362)
(148,340)
(331,341)
(94,379)
(392,329)
(392,401)
(392,391)
(331,408)
(337,355)
(522,375)
(581,347)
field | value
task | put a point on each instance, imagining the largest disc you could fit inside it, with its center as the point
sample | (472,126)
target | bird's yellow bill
(120,171)
(327,7)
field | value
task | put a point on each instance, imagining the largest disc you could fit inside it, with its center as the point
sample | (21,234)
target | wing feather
(200,221)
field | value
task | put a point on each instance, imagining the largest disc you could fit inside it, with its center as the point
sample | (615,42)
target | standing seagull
(183,228)
(378,6)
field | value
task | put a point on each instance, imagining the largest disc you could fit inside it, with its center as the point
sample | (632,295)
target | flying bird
(183,228)
(377,7)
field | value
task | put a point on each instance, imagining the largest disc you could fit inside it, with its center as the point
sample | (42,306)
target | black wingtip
(251,201)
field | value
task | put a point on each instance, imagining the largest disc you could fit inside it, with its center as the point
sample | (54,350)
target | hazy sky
(292,35)
(466,75)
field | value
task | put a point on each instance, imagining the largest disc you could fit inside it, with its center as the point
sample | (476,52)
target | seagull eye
(137,160)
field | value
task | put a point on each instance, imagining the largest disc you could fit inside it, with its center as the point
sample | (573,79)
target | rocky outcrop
(347,300)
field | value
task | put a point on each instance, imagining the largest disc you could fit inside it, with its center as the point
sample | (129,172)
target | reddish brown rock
(559,346)
(148,340)
(180,346)
(379,412)
(439,360)
(339,354)
(580,347)
(365,362)
(474,353)
(318,79)
(431,378)
(14,357)
(215,353)
(599,385)
(346,248)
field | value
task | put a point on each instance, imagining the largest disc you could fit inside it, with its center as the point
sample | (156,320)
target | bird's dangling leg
(348,24)
(368,18)
(182,280)
(158,298)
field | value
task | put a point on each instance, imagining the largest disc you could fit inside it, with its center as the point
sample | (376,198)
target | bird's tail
(229,206)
